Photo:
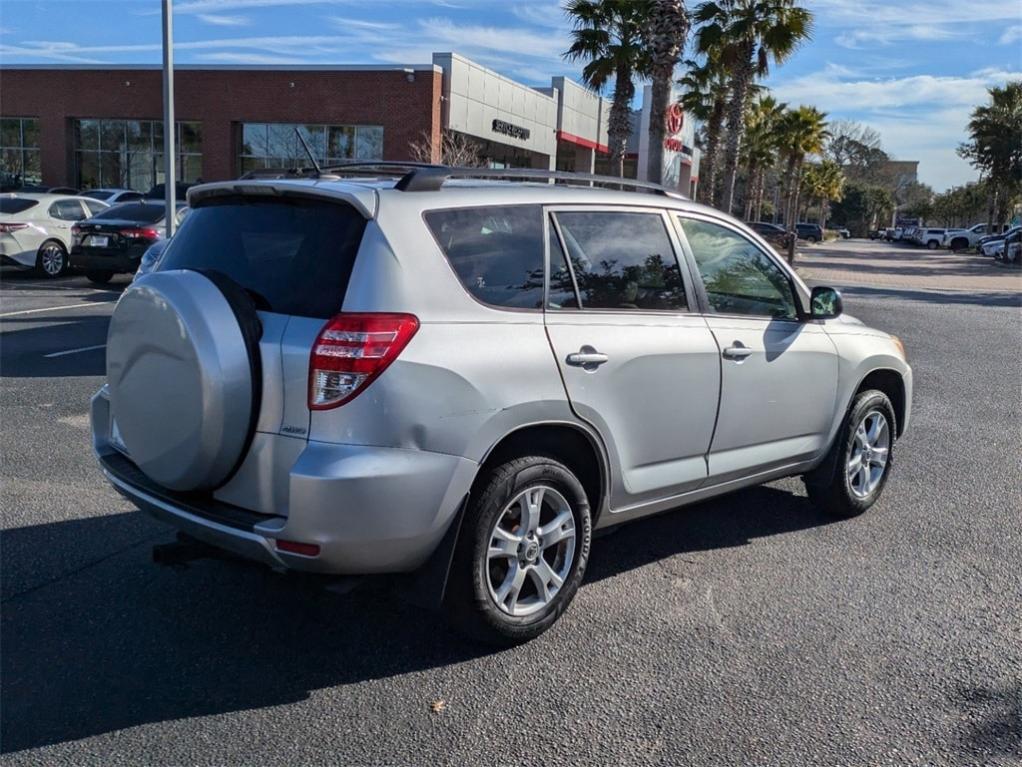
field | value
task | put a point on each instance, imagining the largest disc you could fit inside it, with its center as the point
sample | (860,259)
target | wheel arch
(891,383)
(570,443)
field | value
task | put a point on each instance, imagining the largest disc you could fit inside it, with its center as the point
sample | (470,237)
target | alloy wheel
(531,551)
(867,459)
(52,259)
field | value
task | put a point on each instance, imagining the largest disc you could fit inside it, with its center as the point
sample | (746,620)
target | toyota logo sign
(675,119)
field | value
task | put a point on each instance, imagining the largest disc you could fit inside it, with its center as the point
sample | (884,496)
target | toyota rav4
(437,373)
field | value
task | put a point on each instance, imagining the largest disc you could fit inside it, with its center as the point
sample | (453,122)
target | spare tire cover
(181,380)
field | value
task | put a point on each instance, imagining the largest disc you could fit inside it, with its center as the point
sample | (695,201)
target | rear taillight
(351,350)
(7,228)
(140,234)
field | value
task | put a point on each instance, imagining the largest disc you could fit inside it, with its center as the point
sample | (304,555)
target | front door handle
(736,352)
(587,358)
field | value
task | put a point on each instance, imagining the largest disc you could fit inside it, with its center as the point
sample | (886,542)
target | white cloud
(226,57)
(884,12)
(224,21)
(880,35)
(920,117)
(1011,35)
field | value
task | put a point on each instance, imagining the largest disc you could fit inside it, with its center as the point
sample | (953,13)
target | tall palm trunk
(708,162)
(796,192)
(752,173)
(619,124)
(657,130)
(760,194)
(740,82)
(789,180)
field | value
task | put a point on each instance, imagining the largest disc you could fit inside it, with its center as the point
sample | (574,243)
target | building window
(276,145)
(19,152)
(128,154)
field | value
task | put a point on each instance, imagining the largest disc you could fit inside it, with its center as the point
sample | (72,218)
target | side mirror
(825,303)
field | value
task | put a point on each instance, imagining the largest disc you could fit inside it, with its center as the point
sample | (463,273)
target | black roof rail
(431,178)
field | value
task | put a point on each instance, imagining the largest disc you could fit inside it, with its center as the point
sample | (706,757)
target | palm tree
(803,131)
(824,183)
(607,34)
(760,150)
(750,34)
(704,97)
(664,32)
(995,146)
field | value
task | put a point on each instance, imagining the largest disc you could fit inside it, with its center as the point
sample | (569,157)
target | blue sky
(912,70)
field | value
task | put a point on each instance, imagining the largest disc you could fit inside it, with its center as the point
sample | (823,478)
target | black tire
(932,245)
(98,277)
(43,263)
(828,486)
(811,240)
(959,244)
(468,601)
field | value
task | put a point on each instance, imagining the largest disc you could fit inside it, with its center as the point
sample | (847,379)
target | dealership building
(101,126)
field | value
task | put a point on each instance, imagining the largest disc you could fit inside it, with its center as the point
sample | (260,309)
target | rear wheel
(522,552)
(98,277)
(853,476)
(959,244)
(932,245)
(51,259)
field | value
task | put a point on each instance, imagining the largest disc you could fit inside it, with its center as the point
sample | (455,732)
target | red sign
(675,119)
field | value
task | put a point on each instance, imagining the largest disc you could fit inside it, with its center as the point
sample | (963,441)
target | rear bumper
(120,261)
(369,509)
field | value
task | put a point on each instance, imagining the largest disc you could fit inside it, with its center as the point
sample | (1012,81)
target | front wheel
(51,260)
(853,475)
(522,552)
(98,277)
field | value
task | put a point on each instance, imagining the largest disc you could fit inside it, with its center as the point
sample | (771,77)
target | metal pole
(168,117)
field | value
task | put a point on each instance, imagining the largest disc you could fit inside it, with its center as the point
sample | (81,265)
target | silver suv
(460,379)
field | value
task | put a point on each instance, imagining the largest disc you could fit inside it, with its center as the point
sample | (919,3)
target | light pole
(168,117)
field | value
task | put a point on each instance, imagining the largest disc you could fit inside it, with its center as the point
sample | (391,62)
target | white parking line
(75,351)
(55,308)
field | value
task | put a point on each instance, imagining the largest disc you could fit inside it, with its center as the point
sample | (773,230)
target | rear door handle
(588,358)
(737,352)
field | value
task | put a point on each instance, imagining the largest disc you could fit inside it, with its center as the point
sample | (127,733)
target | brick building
(101,126)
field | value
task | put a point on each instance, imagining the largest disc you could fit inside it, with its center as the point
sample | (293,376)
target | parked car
(843,233)
(929,237)
(809,232)
(114,241)
(775,234)
(1012,249)
(113,196)
(35,229)
(992,245)
(158,192)
(963,239)
(367,377)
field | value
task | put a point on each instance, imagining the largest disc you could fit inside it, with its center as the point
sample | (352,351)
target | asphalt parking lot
(748,630)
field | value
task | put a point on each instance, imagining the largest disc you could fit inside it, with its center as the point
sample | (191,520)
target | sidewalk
(884,265)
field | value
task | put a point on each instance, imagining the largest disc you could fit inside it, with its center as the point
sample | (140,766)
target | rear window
(98,195)
(294,255)
(497,252)
(134,211)
(16,204)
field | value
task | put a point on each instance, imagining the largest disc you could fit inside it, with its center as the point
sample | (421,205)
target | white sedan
(35,229)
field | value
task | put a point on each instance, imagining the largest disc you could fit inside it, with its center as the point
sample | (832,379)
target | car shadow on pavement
(96,638)
(26,343)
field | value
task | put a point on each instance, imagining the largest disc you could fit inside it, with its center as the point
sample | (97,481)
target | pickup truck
(963,239)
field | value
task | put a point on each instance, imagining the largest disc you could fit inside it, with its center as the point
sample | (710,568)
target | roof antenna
(312,159)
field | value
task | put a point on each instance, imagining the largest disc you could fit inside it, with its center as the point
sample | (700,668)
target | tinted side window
(739,278)
(497,252)
(622,260)
(67,210)
(562,288)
